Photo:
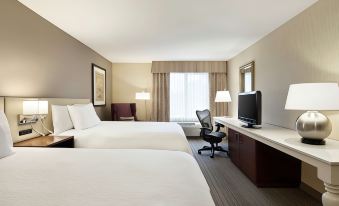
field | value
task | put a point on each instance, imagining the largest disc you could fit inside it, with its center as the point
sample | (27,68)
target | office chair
(214,138)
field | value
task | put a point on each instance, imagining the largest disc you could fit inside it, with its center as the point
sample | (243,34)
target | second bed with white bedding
(74,177)
(132,135)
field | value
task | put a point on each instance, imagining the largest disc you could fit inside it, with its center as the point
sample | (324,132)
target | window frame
(185,76)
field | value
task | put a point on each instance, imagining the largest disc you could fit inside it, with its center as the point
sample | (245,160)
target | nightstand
(48,141)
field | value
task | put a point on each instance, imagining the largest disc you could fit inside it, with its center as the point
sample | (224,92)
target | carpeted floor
(230,187)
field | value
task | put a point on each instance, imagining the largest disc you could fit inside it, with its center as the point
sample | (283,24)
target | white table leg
(331,196)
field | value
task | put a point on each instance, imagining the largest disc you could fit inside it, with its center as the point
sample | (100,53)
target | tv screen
(249,108)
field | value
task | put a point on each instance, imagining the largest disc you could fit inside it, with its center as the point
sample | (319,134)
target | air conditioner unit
(191,129)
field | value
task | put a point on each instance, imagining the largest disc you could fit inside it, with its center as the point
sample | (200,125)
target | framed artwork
(98,86)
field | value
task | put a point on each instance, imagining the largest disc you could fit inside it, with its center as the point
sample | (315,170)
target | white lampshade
(43,107)
(32,107)
(313,96)
(223,96)
(142,95)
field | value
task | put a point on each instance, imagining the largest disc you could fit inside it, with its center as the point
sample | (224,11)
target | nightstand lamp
(312,125)
(143,96)
(33,111)
(223,96)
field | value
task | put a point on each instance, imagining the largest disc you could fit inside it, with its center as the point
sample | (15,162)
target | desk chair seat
(207,133)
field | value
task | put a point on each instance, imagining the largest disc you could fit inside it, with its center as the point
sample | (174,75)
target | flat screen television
(249,108)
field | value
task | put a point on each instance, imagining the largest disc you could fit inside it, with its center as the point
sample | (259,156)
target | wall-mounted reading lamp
(33,111)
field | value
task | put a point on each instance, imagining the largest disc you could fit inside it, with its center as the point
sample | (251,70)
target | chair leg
(219,148)
(213,148)
(204,149)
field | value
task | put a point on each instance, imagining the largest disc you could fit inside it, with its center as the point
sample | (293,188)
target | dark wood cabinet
(233,146)
(247,156)
(263,165)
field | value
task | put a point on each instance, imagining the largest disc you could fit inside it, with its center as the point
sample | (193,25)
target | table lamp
(143,96)
(312,125)
(223,96)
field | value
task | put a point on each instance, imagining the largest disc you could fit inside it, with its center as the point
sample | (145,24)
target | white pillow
(61,119)
(6,142)
(83,116)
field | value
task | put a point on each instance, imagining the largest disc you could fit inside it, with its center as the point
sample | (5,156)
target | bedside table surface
(43,141)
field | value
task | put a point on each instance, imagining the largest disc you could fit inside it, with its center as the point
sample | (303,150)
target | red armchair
(123,111)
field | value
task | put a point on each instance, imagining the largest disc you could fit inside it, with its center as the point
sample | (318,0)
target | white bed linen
(92,177)
(132,135)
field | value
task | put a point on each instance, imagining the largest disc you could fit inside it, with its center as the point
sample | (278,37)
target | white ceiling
(146,30)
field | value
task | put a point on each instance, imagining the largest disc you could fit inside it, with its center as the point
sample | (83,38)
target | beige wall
(127,79)
(40,60)
(305,49)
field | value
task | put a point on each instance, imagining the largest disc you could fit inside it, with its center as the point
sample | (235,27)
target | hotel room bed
(132,135)
(52,176)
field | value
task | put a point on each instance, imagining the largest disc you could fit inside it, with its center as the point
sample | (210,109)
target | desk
(324,157)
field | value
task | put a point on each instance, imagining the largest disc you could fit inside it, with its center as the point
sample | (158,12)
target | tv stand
(251,126)
(248,125)
(324,157)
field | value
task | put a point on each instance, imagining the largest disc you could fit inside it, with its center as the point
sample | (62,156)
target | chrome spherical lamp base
(314,127)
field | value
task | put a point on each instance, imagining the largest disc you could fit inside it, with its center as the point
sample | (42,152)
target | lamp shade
(223,96)
(313,96)
(31,107)
(142,95)
(43,107)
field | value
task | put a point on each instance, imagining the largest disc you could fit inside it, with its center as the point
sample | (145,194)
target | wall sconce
(33,111)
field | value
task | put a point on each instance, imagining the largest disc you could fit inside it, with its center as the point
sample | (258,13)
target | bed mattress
(77,177)
(132,135)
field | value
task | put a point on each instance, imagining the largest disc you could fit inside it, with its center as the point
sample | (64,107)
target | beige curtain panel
(188,66)
(160,100)
(217,83)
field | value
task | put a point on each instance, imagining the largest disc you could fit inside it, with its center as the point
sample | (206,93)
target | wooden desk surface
(43,141)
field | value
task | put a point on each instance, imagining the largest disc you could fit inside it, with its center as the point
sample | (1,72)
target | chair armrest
(218,125)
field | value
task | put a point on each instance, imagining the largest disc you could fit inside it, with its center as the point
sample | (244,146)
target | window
(247,77)
(188,92)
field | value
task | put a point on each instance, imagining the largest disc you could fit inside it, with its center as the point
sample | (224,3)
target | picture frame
(98,85)
(247,77)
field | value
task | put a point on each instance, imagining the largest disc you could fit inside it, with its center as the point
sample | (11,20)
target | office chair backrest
(205,119)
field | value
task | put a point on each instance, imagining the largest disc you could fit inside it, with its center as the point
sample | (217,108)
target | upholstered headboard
(2,104)
(14,108)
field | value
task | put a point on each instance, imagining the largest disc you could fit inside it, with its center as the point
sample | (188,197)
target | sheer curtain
(188,92)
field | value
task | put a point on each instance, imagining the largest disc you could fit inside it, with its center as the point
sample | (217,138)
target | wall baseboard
(312,192)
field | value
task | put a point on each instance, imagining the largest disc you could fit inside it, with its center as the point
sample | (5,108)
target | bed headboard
(14,107)
(2,104)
